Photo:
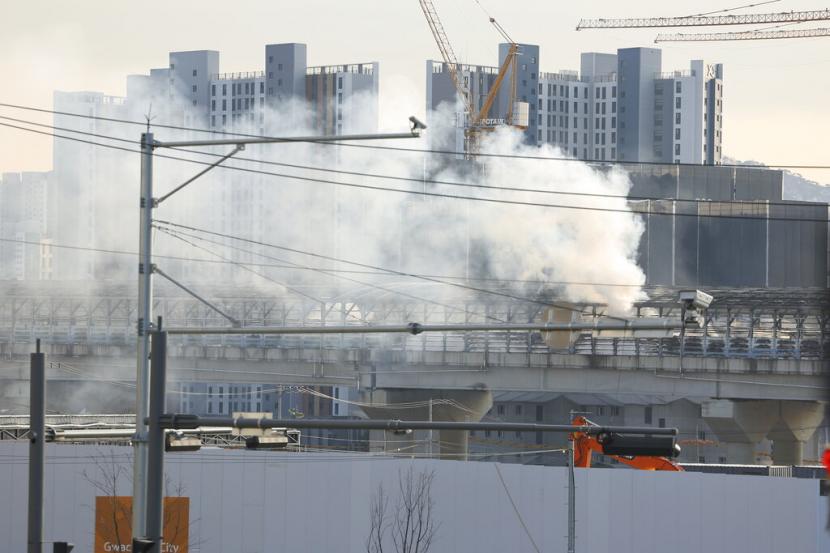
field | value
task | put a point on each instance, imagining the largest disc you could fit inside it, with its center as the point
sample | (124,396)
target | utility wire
(411,179)
(318,269)
(434,194)
(393,271)
(334,142)
(323,271)
(516,509)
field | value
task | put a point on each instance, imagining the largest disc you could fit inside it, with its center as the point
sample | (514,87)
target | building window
(262,88)
(194,88)
(677,87)
(213,105)
(677,102)
(500,409)
(648,415)
(677,118)
(213,90)
(279,67)
(539,412)
(518,410)
(677,133)
(701,434)
(270,59)
(661,423)
(615,410)
(519,434)
(601,410)
(210,408)
(221,406)
(486,433)
(677,149)
(195,73)
(613,107)
(701,459)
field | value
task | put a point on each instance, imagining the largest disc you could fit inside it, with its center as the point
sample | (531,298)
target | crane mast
(477,120)
(447,53)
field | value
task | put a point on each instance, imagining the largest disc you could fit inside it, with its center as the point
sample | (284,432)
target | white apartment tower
(618,107)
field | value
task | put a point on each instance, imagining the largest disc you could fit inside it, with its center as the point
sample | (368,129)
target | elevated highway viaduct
(757,365)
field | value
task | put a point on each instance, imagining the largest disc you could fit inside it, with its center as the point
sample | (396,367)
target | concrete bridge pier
(742,424)
(423,405)
(797,420)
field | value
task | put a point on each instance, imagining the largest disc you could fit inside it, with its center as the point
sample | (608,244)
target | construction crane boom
(745,35)
(700,21)
(447,53)
(477,120)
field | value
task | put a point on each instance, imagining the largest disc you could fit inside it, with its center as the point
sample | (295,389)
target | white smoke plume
(558,250)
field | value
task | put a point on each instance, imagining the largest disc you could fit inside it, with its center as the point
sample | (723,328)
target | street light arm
(235,322)
(239,148)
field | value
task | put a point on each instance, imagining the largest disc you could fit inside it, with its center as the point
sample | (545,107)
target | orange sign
(113,524)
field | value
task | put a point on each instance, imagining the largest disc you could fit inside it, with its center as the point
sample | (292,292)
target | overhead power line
(746,35)
(403,178)
(421,150)
(318,269)
(377,268)
(178,235)
(700,20)
(425,193)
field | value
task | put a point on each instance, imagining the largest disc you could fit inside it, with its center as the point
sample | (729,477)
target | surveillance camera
(695,300)
(417,125)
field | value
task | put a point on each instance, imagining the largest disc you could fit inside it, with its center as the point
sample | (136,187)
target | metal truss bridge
(746,323)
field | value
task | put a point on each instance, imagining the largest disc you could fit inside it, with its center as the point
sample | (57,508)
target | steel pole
(37,417)
(571,502)
(155,442)
(145,317)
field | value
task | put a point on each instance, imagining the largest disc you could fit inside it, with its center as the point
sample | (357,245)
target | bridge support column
(745,423)
(740,425)
(797,420)
(422,405)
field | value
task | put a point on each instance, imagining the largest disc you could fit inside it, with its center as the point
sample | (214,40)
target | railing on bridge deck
(732,328)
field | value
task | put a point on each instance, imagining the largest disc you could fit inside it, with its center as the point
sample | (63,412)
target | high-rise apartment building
(25,251)
(284,96)
(329,99)
(618,107)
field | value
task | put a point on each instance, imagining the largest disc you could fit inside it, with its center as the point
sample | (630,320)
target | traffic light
(62,547)
(643,446)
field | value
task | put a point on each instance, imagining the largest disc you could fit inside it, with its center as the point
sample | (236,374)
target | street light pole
(145,282)
(145,317)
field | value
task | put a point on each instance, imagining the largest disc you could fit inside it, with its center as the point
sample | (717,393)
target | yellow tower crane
(477,120)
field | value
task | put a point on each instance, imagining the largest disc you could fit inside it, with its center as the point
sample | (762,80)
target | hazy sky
(775,92)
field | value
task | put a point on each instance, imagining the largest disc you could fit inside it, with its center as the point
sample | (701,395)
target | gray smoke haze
(408,232)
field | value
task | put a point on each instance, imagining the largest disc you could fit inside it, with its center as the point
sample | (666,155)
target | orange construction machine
(640,452)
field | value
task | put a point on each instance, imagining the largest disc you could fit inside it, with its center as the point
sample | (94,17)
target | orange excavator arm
(585,445)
